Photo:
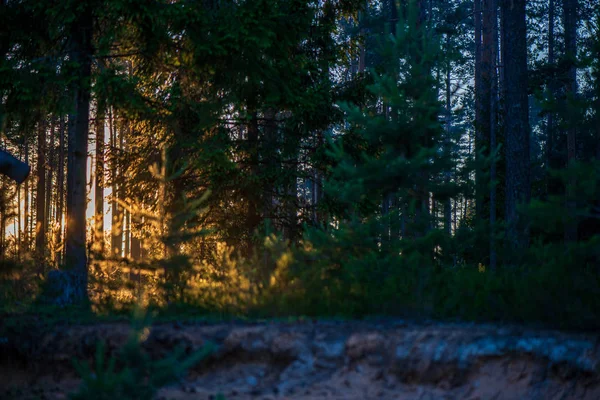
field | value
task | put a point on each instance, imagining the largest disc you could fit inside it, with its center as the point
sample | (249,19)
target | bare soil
(385,359)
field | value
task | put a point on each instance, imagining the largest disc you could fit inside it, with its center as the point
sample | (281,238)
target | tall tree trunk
(121,189)
(597,103)
(550,140)
(136,244)
(74,290)
(50,170)
(143,243)
(253,195)
(598,120)
(116,230)
(127,233)
(99,191)
(270,189)
(518,185)
(162,202)
(291,196)
(570,26)
(447,143)
(40,197)
(393,114)
(26,203)
(60,193)
(423,210)
(493,10)
(484,100)
(3,206)
(484,22)
(18,229)
(479,111)
(31,214)
(270,155)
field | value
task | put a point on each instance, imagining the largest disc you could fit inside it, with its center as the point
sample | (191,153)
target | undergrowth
(131,374)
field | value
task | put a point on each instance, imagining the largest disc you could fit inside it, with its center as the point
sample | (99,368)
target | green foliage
(168,229)
(263,104)
(19,284)
(533,293)
(354,276)
(132,374)
(370,258)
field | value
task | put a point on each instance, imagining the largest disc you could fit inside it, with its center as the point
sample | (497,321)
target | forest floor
(350,360)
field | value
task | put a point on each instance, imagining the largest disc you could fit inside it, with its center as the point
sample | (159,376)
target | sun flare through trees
(313,157)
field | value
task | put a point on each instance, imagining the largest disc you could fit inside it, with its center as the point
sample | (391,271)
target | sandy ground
(352,360)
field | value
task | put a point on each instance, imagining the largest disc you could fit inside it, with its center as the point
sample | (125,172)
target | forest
(434,159)
(304,157)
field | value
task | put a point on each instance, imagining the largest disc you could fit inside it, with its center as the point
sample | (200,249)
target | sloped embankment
(328,360)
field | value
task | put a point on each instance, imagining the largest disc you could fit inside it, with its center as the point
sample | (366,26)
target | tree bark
(479,111)
(270,156)
(127,234)
(18,228)
(51,162)
(570,26)
(550,151)
(116,230)
(253,195)
(25,200)
(447,142)
(484,22)
(136,249)
(162,202)
(121,190)
(518,186)
(3,207)
(74,288)
(60,193)
(40,197)
(99,186)
(423,211)
(493,10)
(50,171)
(389,112)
